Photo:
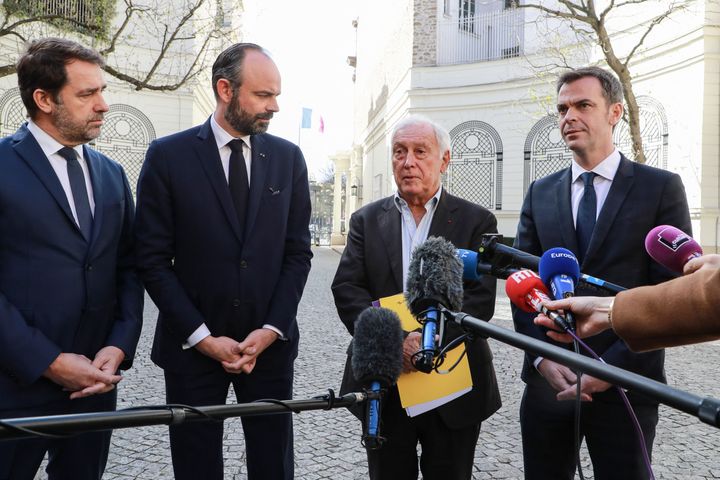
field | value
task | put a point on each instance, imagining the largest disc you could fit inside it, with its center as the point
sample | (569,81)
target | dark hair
(42,66)
(229,63)
(611,88)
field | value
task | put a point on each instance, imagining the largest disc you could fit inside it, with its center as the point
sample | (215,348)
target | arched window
(125,137)
(545,150)
(653,131)
(475,170)
(12,112)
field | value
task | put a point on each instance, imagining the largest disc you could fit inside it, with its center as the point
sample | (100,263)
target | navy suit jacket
(371,268)
(640,198)
(200,266)
(59,293)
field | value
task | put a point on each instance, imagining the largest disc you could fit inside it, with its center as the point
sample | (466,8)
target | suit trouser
(447,454)
(197,447)
(548,432)
(80,457)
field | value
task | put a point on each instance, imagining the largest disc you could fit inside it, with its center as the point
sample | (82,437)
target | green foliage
(89,17)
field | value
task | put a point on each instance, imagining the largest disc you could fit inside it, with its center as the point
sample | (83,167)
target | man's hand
(558,376)
(218,348)
(108,360)
(249,350)
(588,386)
(76,373)
(411,345)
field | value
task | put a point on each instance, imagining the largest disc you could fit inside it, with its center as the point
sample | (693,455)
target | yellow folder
(420,392)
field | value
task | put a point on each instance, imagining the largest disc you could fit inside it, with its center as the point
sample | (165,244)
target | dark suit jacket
(57,292)
(371,268)
(639,199)
(678,312)
(199,265)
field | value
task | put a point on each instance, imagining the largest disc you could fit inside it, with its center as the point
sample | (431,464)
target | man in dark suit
(600,208)
(374,265)
(224,251)
(70,301)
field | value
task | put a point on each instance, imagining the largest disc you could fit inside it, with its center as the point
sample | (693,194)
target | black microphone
(376,363)
(434,279)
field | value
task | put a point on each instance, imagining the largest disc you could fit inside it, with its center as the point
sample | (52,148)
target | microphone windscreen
(434,276)
(377,347)
(519,284)
(671,247)
(469,260)
(558,261)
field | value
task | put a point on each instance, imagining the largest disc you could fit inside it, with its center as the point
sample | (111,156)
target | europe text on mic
(434,279)
(559,270)
(671,247)
(376,363)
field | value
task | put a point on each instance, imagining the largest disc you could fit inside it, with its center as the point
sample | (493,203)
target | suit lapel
(28,149)
(565,221)
(443,222)
(258,171)
(619,190)
(209,158)
(93,162)
(389,222)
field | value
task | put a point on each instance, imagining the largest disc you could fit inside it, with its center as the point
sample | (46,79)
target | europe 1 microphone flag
(526,290)
(559,269)
(671,247)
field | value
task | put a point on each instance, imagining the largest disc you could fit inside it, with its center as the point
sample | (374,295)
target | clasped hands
(237,357)
(564,381)
(84,377)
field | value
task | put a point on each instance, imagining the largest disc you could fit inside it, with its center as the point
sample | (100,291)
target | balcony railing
(83,15)
(481,38)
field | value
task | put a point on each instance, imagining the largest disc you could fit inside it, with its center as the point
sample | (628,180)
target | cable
(626,401)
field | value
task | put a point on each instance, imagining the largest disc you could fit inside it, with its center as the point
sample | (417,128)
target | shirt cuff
(199,334)
(276,330)
(537,362)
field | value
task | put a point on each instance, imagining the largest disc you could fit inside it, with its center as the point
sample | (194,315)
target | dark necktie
(79,191)
(238,180)
(586,214)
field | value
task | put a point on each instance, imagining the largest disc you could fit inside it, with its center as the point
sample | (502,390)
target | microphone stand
(707,409)
(66,425)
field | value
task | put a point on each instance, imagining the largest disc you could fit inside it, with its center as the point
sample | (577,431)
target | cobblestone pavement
(327,443)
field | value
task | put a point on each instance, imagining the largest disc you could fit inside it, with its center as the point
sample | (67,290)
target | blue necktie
(586,214)
(79,191)
(238,180)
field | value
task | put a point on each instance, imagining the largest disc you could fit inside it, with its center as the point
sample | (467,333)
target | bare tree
(152,44)
(591,20)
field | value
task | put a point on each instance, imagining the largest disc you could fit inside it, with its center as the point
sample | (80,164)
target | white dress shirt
(50,147)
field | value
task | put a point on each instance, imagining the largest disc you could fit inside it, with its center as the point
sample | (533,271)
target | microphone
(501,261)
(526,291)
(376,362)
(671,247)
(559,269)
(434,278)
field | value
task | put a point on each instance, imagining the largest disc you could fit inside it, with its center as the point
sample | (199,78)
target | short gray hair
(611,87)
(441,135)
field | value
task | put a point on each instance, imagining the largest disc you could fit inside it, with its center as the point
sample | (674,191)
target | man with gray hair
(374,265)
(600,207)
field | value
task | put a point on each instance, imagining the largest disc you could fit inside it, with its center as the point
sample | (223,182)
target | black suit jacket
(640,198)
(59,292)
(371,268)
(200,266)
